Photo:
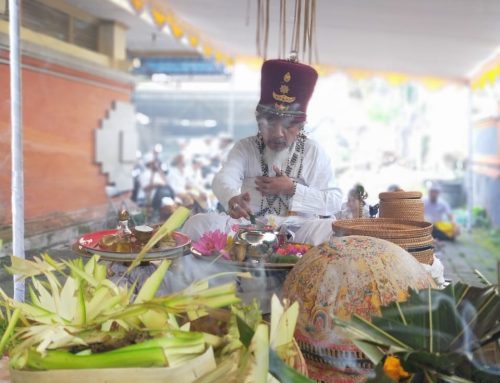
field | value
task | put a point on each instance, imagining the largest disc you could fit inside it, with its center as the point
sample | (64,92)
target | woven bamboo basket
(411,209)
(402,203)
(188,372)
(424,256)
(413,236)
(391,196)
(414,243)
(299,362)
(385,228)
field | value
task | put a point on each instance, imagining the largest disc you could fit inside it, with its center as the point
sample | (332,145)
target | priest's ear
(301,125)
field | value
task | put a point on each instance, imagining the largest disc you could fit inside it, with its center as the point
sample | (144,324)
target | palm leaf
(175,221)
(361,328)
(283,372)
(434,330)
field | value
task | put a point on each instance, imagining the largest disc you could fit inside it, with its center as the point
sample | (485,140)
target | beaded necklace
(283,201)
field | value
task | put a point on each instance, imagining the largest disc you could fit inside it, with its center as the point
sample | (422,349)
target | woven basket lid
(388,196)
(386,228)
(398,203)
(348,275)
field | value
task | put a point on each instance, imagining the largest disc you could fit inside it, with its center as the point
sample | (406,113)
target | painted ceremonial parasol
(354,274)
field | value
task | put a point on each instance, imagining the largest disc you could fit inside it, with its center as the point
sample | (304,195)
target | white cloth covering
(436,270)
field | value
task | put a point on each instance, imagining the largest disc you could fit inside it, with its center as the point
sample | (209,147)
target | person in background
(394,188)
(153,185)
(178,176)
(136,175)
(226,143)
(437,211)
(150,178)
(356,206)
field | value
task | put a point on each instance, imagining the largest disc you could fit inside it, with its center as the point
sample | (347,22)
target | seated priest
(279,176)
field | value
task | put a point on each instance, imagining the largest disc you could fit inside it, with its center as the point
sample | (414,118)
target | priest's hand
(239,206)
(281,184)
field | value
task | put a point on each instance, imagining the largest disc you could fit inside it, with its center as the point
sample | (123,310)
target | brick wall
(61,109)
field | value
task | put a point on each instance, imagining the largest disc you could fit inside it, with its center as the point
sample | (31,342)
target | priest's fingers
(263,179)
(242,212)
(278,171)
(237,211)
(262,183)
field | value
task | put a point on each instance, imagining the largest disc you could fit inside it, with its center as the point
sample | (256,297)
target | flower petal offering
(248,245)
(290,252)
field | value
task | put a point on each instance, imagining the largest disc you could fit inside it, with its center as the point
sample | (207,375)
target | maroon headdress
(286,88)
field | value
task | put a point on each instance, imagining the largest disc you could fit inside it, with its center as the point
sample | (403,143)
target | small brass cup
(143,233)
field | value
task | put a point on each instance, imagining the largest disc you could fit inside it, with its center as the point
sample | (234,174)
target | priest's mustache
(277,142)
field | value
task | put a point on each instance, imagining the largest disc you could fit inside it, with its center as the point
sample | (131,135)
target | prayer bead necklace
(297,156)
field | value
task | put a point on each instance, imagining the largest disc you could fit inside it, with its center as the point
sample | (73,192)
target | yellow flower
(393,369)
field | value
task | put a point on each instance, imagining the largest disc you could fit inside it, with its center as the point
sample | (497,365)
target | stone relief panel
(116,143)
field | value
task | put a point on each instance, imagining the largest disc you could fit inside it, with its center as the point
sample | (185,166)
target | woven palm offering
(402,205)
(413,236)
(348,275)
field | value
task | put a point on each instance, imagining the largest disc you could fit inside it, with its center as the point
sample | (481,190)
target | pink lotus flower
(212,243)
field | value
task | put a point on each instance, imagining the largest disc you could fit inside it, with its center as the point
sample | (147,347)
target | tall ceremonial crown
(286,86)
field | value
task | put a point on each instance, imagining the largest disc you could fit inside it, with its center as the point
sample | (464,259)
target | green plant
(437,334)
(480,218)
(88,312)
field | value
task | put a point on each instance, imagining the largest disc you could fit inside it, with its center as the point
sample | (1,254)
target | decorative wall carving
(116,143)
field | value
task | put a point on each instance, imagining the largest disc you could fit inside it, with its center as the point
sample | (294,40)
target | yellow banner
(138,5)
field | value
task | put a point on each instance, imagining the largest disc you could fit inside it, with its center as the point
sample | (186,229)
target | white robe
(315,194)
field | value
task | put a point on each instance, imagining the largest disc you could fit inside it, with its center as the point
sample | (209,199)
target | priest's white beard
(278,158)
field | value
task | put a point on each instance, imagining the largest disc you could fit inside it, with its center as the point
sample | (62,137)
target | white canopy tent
(444,38)
(447,38)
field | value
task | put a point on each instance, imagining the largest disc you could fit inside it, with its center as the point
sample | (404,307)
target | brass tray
(87,245)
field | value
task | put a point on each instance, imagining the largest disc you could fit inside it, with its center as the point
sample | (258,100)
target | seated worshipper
(356,206)
(279,176)
(394,188)
(437,211)
(153,183)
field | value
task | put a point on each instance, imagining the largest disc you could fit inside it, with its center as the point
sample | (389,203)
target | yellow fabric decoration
(138,5)
(446,227)
(159,17)
(176,30)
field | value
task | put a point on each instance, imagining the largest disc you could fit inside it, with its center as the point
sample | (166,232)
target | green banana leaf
(283,372)
(279,369)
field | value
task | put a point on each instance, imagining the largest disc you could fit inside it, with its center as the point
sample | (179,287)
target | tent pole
(17,198)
